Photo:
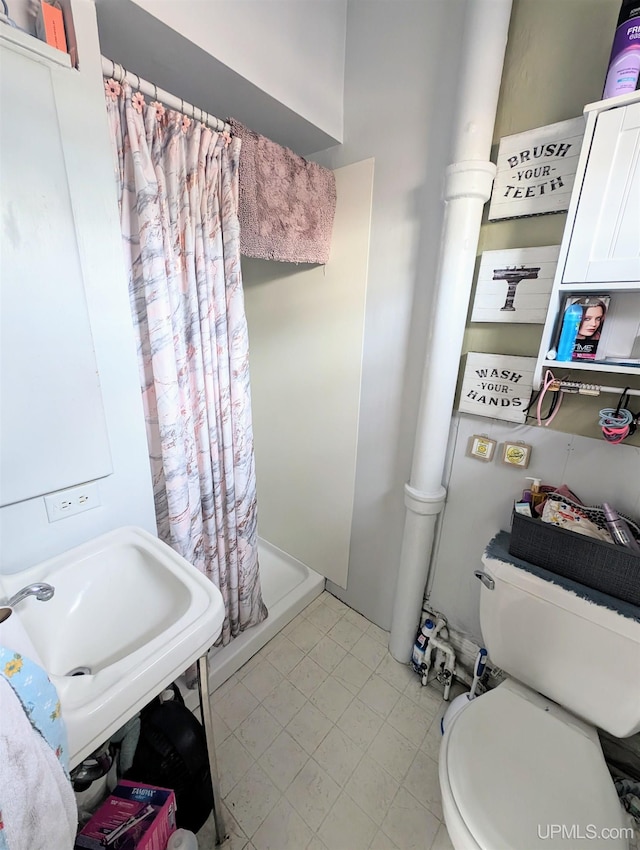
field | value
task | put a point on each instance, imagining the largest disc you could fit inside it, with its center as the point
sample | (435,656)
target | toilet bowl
(518,772)
(521,767)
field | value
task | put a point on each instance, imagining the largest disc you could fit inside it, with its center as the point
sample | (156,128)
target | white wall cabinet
(600,252)
(53,432)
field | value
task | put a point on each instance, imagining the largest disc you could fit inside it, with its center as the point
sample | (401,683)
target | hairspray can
(624,63)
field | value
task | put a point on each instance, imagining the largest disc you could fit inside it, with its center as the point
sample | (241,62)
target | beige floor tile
(332,601)
(433,739)
(283,829)
(292,625)
(410,720)
(392,751)
(347,827)
(285,702)
(429,698)
(378,634)
(234,760)
(262,680)
(338,755)
(324,617)
(207,834)
(369,651)
(352,673)
(332,698)
(327,653)
(422,782)
(379,695)
(409,824)
(345,634)
(283,760)
(382,842)
(398,675)
(306,635)
(252,799)
(312,793)
(258,731)
(317,844)
(220,729)
(235,706)
(249,665)
(285,655)
(357,619)
(372,788)
(442,840)
(316,603)
(360,723)
(307,676)
(309,727)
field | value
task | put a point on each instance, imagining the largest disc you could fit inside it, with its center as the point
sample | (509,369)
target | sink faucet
(43,592)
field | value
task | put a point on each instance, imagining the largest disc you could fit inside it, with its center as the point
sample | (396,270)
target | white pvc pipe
(468,187)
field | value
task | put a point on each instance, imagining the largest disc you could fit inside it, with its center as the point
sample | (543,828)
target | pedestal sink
(129,615)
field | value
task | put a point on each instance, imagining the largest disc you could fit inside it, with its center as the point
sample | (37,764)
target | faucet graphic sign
(513,277)
(515,285)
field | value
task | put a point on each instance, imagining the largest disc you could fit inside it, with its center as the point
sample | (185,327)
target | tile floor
(325,742)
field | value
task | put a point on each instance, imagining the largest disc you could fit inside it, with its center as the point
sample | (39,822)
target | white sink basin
(128,616)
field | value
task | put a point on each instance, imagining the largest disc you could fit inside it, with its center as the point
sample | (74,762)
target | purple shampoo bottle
(624,64)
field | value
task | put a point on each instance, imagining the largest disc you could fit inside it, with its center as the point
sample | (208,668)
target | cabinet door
(52,425)
(605,242)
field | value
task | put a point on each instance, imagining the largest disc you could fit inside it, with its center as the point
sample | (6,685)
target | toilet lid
(518,774)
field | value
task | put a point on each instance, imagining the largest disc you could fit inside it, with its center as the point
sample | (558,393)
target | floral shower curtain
(178,185)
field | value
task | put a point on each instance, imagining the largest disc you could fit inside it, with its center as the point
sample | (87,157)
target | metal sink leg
(207,722)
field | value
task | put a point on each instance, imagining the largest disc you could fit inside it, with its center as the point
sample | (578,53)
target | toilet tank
(579,654)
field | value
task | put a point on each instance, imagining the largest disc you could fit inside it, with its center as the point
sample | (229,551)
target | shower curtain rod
(120,73)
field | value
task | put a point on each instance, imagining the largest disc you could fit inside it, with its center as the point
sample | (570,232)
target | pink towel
(286,205)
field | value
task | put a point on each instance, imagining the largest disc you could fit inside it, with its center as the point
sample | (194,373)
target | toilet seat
(514,767)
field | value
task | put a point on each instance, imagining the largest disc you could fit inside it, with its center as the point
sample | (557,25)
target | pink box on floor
(134,817)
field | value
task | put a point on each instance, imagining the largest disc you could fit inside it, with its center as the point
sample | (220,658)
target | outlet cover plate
(72,501)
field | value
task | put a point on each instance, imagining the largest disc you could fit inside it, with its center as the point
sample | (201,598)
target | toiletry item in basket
(537,496)
(570,325)
(619,529)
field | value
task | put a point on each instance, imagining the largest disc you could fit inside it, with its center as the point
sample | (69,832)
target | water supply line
(468,183)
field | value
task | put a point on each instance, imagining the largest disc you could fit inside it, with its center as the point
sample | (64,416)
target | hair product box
(134,817)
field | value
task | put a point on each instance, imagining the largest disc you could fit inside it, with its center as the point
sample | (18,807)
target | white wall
(400,77)
(276,65)
(481,497)
(293,50)
(126,496)
(305,341)
(543,82)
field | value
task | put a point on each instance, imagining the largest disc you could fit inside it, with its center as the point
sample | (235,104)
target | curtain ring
(155,92)
(138,78)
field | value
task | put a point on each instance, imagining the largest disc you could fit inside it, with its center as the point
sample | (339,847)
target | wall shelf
(600,251)
(34,46)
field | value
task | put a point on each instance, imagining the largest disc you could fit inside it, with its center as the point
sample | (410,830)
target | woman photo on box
(593,313)
(594,310)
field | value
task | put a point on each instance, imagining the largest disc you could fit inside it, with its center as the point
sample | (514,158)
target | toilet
(521,767)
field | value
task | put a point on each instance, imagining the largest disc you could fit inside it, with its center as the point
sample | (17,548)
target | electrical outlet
(73,501)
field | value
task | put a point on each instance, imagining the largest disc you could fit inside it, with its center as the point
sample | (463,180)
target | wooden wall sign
(536,170)
(497,385)
(515,285)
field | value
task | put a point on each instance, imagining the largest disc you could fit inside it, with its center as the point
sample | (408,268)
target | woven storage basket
(603,566)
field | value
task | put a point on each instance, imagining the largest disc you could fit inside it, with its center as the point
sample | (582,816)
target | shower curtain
(178,193)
